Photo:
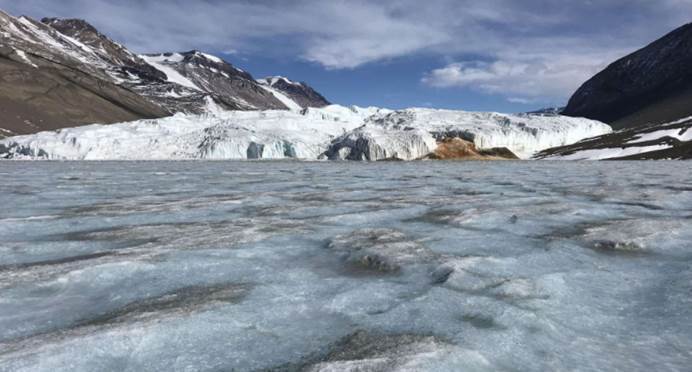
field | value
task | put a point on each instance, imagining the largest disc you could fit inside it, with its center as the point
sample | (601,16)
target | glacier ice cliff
(333,132)
(413,133)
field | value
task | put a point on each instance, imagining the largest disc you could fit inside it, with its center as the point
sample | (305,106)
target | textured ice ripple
(330,267)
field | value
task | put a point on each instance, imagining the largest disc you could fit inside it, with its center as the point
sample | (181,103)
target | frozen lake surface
(508,266)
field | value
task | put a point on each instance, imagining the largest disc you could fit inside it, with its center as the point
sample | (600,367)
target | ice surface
(527,266)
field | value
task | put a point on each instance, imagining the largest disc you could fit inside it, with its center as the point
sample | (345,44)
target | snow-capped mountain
(299,93)
(51,80)
(120,64)
(92,79)
(207,78)
(332,132)
(654,141)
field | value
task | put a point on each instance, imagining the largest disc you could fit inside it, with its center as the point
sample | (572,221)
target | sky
(490,55)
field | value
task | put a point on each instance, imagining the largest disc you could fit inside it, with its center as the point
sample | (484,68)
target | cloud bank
(523,50)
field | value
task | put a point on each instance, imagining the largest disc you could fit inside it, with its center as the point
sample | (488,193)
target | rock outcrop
(459,149)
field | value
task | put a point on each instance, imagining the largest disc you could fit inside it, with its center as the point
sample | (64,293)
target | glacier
(312,266)
(413,133)
(332,132)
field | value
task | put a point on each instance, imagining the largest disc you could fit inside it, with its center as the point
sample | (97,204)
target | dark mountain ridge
(651,85)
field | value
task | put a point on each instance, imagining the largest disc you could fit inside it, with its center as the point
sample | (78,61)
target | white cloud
(537,48)
(521,101)
(522,81)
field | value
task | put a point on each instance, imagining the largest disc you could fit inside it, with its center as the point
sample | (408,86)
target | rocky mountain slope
(652,141)
(333,132)
(646,97)
(202,80)
(650,86)
(63,72)
(50,80)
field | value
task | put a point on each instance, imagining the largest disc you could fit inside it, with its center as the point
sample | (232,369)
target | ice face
(333,132)
(345,266)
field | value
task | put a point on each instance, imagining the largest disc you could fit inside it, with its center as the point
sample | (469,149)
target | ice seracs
(333,132)
(413,133)
(223,134)
(372,143)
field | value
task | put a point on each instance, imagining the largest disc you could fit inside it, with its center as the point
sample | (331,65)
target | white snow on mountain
(609,153)
(640,142)
(272,80)
(212,58)
(268,85)
(27,36)
(24,57)
(286,100)
(24,30)
(162,63)
(683,135)
(333,132)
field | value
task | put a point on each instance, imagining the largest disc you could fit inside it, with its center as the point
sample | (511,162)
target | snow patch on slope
(609,153)
(212,58)
(272,80)
(161,62)
(287,101)
(25,58)
(681,134)
(653,141)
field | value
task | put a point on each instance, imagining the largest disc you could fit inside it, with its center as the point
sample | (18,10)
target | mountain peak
(199,59)
(274,80)
(69,25)
(301,93)
(201,55)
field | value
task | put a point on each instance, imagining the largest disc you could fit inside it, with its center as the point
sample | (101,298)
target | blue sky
(492,55)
